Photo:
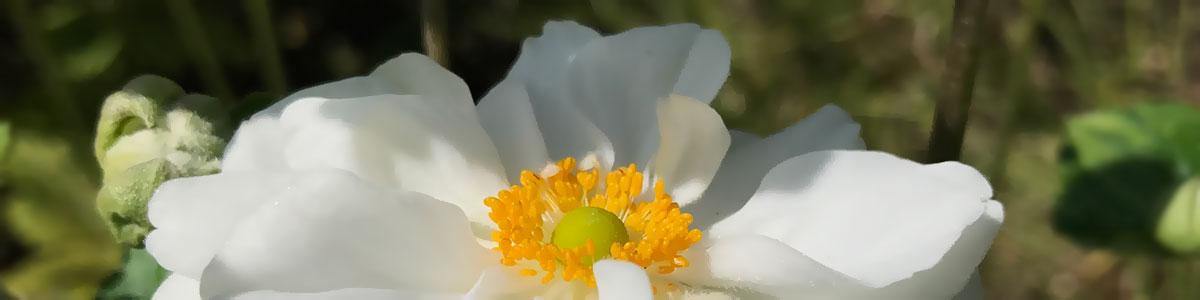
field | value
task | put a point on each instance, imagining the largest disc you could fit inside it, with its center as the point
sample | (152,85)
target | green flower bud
(122,200)
(1179,225)
(150,132)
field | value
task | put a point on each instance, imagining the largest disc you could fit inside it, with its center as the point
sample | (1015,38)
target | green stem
(271,66)
(1190,40)
(199,49)
(958,80)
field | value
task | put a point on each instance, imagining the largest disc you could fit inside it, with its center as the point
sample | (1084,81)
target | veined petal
(749,158)
(258,143)
(693,142)
(339,232)
(593,94)
(508,118)
(410,124)
(621,280)
(407,74)
(763,266)
(193,216)
(881,220)
(404,142)
(617,81)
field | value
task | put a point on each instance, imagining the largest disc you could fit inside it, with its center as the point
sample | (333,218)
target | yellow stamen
(657,229)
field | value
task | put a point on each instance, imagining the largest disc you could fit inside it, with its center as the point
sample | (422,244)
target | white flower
(374,188)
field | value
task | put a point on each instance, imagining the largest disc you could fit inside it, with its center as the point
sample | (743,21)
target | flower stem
(433,30)
(958,80)
(192,34)
(269,63)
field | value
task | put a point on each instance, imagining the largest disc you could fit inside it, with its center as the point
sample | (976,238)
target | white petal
(508,117)
(750,158)
(763,265)
(973,290)
(193,216)
(351,293)
(541,71)
(407,142)
(617,80)
(177,287)
(872,216)
(693,141)
(257,145)
(340,232)
(503,282)
(621,280)
(953,274)
(408,74)
(544,59)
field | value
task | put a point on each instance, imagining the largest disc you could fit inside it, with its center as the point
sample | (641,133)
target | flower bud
(150,132)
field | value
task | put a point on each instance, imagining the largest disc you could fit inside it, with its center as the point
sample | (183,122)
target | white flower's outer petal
(177,287)
(257,146)
(340,232)
(406,142)
(410,124)
(407,74)
(764,266)
(879,219)
(693,141)
(258,143)
(350,293)
(193,216)
(952,271)
(749,158)
(507,116)
(621,280)
(618,80)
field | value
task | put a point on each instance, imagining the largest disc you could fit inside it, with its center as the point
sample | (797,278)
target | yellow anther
(657,229)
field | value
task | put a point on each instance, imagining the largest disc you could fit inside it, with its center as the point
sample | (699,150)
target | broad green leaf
(1120,169)
(138,279)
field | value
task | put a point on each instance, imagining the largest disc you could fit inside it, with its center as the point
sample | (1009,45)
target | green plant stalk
(1189,32)
(958,80)
(200,51)
(433,30)
(269,63)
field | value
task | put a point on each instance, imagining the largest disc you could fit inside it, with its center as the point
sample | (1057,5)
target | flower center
(590,224)
(587,220)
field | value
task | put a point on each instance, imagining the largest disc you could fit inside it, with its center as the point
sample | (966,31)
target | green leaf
(1120,170)
(1179,227)
(138,279)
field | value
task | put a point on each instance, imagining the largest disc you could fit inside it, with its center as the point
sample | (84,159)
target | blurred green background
(1041,62)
